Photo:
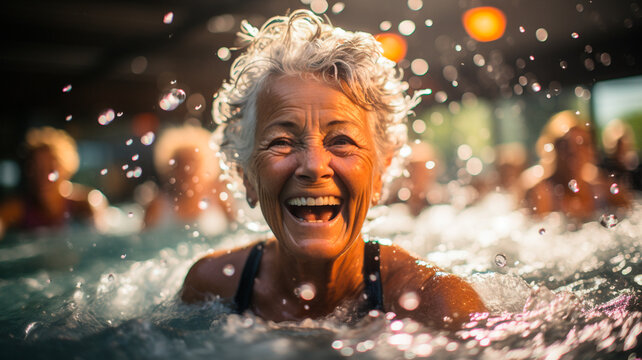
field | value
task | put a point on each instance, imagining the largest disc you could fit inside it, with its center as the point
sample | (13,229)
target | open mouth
(314,209)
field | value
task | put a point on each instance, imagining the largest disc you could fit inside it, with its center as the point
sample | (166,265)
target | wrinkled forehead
(293,89)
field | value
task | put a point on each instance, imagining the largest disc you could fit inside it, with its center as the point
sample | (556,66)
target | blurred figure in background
(49,199)
(510,162)
(191,192)
(621,158)
(568,178)
(420,188)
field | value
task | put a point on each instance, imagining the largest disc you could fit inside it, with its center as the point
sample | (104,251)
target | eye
(341,140)
(280,143)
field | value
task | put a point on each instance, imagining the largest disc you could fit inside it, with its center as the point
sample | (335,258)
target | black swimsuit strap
(243,295)
(372,275)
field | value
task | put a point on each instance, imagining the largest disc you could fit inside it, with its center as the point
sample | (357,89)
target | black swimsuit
(373,289)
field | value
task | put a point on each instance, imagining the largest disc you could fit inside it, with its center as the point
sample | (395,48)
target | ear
(250,192)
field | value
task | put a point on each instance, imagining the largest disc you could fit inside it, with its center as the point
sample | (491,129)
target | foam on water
(560,293)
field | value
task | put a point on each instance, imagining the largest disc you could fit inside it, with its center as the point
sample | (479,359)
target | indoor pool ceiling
(91,44)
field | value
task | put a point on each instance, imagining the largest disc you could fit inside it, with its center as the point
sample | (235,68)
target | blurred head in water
(619,145)
(51,158)
(50,199)
(184,159)
(568,177)
(189,171)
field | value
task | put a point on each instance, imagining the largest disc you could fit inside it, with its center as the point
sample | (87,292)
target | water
(569,294)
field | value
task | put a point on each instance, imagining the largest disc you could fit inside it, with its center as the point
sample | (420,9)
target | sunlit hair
(304,44)
(188,137)
(61,145)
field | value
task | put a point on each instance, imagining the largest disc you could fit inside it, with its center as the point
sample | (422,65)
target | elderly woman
(311,119)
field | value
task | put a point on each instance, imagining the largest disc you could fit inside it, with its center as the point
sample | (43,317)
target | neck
(330,280)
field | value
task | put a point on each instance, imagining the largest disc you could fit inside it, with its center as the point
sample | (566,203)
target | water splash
(106,117)
(171,99)
(168,18)
(608,220)
(500,260)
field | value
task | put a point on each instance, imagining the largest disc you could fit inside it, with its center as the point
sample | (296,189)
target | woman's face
(313,167)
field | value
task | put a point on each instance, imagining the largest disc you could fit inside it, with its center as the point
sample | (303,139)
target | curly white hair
(303,43)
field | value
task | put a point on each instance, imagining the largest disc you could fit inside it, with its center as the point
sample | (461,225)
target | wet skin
(312,142)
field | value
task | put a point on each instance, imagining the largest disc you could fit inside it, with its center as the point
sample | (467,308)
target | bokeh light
(484,23)
(394,46)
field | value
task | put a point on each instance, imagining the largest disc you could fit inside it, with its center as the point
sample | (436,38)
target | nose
(314,164)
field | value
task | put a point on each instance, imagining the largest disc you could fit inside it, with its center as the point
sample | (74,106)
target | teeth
(318,201)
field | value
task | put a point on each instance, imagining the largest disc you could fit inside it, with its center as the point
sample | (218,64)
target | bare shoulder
(417,289)
(215,275)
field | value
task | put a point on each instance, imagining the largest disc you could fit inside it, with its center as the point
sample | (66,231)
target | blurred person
(49,199)
(510,162)
(567,178)
(190,192)
(621,159)
(420,188)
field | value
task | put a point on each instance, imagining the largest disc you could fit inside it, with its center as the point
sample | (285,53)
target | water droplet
(137,172)
(171,99)
(172,162)
(198,107)
(195,234)
(306,291)
(428,22)
(104,171)
(129,142)
(106,117)
(531,57)
(573,186)
(148,138)
(203,204)
(228,270)
(536,87)
(123,256)
(338,7)
(521,29)
(130,214)
(575,35)
(53,176)
(415,5)
(125,167)
(563,64)
(542,231)
(385,25)
(500,260)
(306,306)
(409,301)
(406,27)
(168,18)
(110,277)
(615,189)
(541,34)
(608,220)
(68,118)
(67,88)
(119,114)
(224,53)
(135,157)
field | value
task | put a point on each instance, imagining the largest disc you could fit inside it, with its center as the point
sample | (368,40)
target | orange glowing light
(394,46)
(484,23)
